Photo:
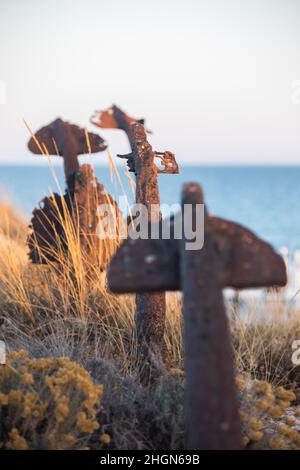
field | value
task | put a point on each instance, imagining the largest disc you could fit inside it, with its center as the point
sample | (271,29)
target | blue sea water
(265,199)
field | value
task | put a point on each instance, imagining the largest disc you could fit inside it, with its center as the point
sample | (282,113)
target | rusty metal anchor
(81,200)
(232,256)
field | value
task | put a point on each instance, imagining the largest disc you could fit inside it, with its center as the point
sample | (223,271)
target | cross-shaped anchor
(232,256)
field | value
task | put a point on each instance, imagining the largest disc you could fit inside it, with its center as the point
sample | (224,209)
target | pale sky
(213,78)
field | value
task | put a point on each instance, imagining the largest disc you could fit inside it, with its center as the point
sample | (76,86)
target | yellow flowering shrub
(47,403)
(268,420)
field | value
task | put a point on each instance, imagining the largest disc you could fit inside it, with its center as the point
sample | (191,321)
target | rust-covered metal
(247,261)
(150,307)
(60,138)
(88,196)
(211,408)
(231,256)
(48,238)
(168,162)
(116,118)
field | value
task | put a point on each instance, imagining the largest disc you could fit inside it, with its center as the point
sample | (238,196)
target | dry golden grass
(12,224)
(54,313)
(263,336)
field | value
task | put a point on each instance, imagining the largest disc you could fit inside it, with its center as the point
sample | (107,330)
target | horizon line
(189,163)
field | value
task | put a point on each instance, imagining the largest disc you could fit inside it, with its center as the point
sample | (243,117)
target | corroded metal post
(212,419)
(150,307)
(232,256)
